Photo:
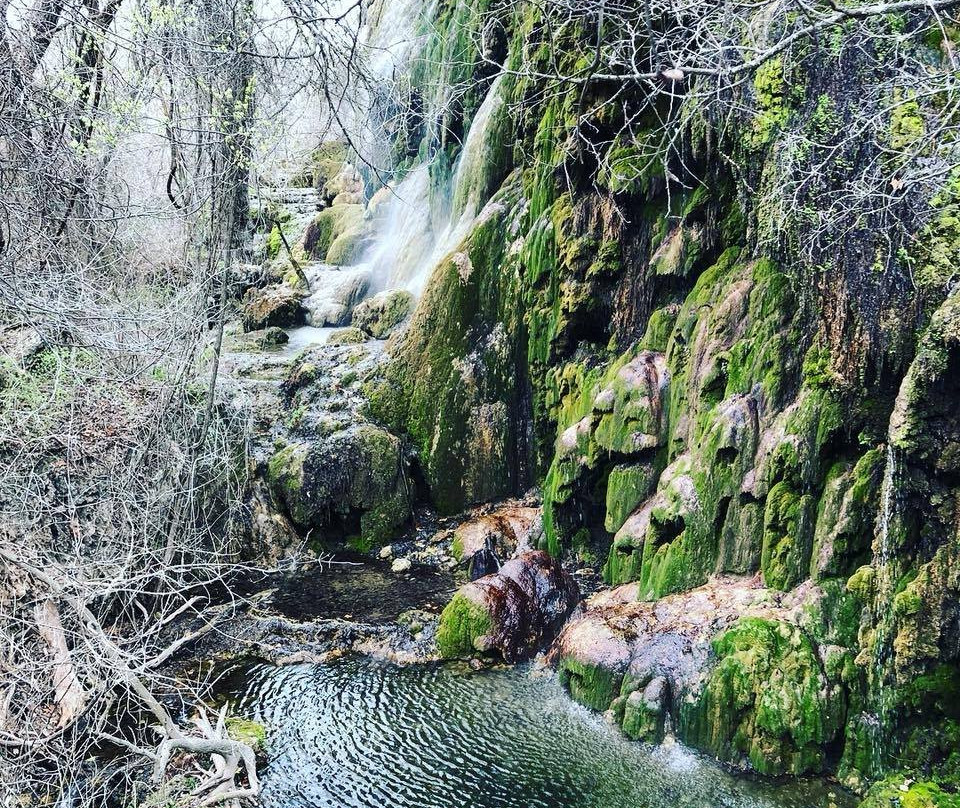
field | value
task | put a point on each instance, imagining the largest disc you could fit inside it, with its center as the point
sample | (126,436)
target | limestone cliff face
(700,389)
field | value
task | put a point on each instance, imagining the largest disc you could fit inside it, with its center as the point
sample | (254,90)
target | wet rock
(401,565)
(728,664)
(335,292)
(645,711)
(484,562)
(513,612)
(327,226)
(496,535)
(767,703)
(382,313)
(262,340)
(347,480)
(348,336)
(271,306)
(592,659)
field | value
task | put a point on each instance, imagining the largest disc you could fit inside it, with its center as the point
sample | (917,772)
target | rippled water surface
(362,733)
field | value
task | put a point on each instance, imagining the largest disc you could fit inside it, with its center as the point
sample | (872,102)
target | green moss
(937,252)
(905,792)
(385,403)
(766,701)
(786,537)
(862,584)
(461,623)
(593,686)
(769,87)
(346,248)
(252,733)
(285,474)
(339,223)
(640,722)
(906,124)
(274,242)
(627,487)
(937,690)
(457,363)
(659,327)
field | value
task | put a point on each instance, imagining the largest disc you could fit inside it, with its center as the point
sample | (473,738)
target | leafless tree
(130,133)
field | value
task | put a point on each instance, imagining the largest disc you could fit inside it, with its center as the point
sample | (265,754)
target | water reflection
(362,733)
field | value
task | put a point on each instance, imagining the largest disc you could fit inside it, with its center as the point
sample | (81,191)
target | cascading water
(419,228)
(877,722)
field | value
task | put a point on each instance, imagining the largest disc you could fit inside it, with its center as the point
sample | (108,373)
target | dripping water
(877,722)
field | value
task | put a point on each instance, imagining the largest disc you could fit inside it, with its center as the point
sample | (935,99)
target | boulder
(328,226)
(381,314)
(271,306)
(263,339)
(347,480)
(485,541)
(336,292)
(348,336)
(401,565)
(512,612)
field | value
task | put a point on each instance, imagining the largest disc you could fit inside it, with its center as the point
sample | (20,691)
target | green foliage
(905,792)
(593,686)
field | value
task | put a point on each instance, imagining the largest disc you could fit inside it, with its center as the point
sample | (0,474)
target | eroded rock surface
(733,667)
(512,612)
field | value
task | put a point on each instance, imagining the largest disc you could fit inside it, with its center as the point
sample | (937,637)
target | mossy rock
(327,227)
(767,703)
(462,623)
(900,791)
(336,479)
(787,529)
(278,306)
(593,686)
(379,315)
(348,336)
(347,248)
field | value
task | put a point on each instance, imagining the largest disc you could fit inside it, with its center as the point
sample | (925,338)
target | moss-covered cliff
(707,376)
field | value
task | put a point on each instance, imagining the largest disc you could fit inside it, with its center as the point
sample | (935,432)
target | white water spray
(420,229)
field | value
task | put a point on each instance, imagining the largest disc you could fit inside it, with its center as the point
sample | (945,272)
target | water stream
(358,732)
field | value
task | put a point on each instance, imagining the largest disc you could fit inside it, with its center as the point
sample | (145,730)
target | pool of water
(357,587)
(358,732)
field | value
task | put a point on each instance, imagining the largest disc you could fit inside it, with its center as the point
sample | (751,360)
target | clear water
(359,732)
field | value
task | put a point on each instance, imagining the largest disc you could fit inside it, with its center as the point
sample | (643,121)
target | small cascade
(392,35)
(405,233)
(884,550)
(876,724)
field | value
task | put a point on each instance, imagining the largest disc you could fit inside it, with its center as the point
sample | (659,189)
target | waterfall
(392,35)
(884,552)
(420,229)
(877,722)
